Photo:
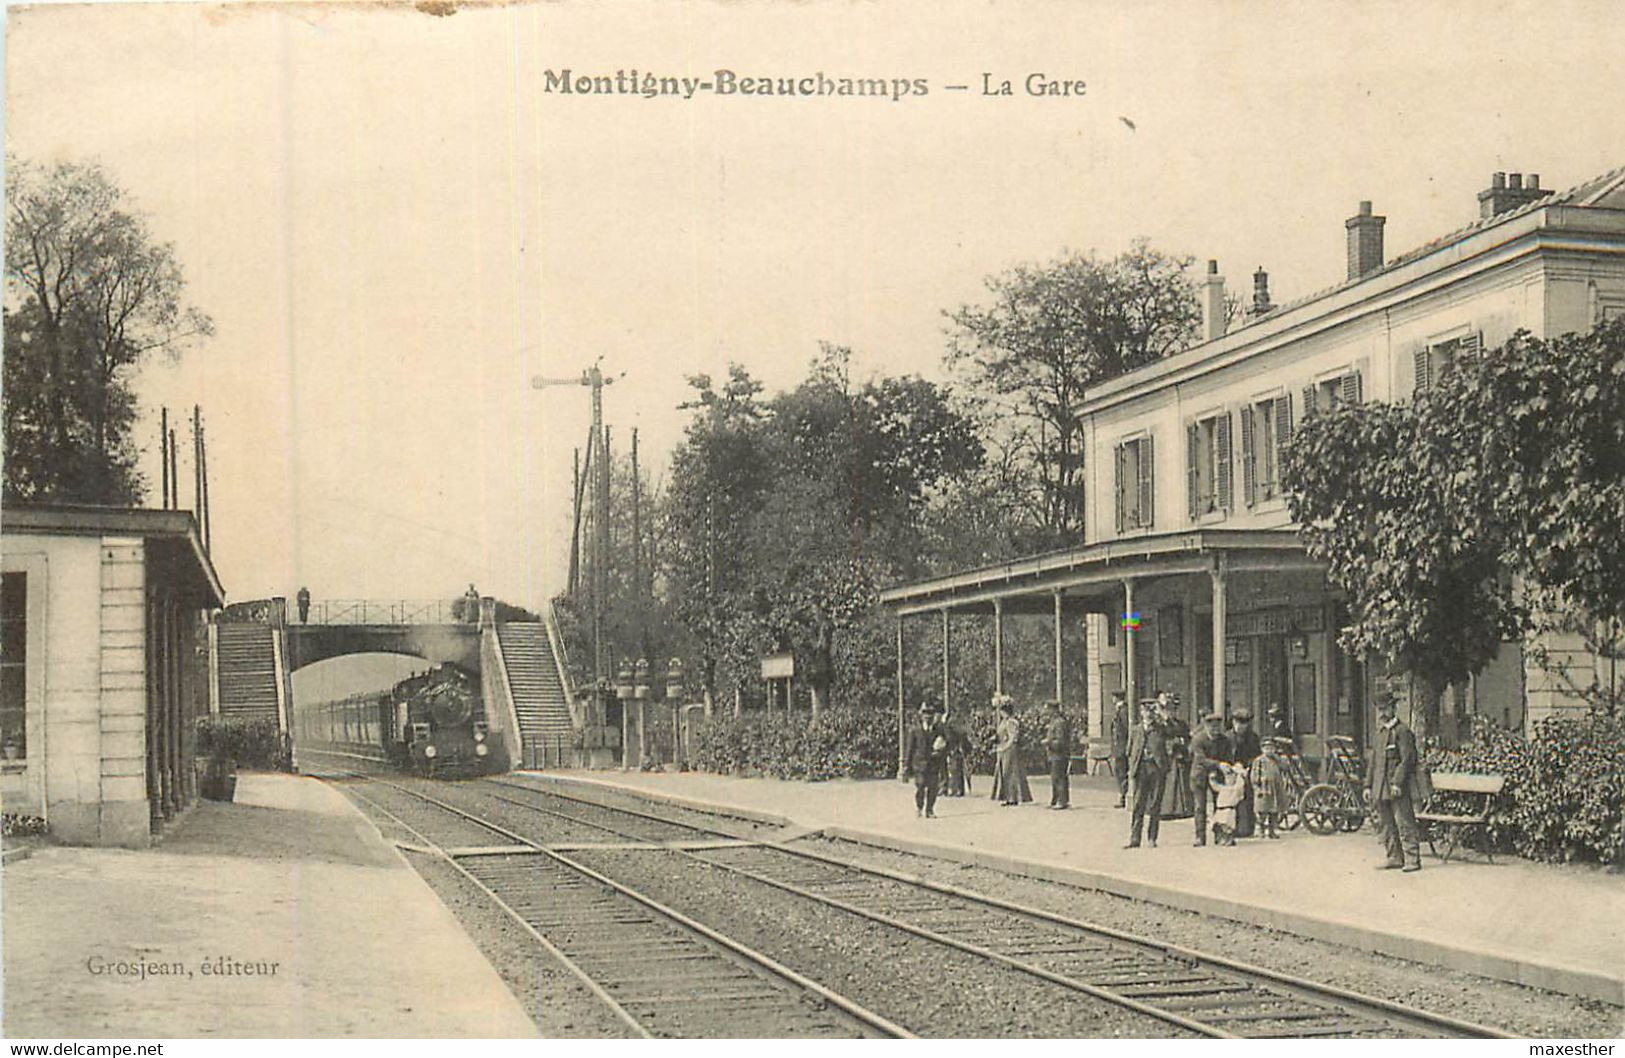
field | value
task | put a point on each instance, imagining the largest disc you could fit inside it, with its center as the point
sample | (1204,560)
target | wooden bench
(1458,826)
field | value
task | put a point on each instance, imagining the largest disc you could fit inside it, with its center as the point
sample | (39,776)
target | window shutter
(1225,471)
(1472,344)
(1308,401)
(1283,429)
(1351,388)
(1249,456)
(1147,494)
(1117,489)
(1191,498)
(1421,360)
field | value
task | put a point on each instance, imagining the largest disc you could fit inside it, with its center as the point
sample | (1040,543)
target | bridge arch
(458,644)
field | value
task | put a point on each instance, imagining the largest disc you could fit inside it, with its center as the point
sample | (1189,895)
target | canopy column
(1060,681)
(902,716)
(998,646)
(1126,627)
(1218,574)
(947,657)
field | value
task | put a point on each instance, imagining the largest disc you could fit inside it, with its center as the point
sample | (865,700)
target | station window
(1266,429)
(1135,498)
(14,665)
(1208,477)
(1430,362)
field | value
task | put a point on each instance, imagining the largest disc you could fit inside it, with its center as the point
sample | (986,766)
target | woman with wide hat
(1009,777)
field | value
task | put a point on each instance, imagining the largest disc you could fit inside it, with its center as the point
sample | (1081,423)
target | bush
(243,743)
(854,743)
(1565,794)
(17,825)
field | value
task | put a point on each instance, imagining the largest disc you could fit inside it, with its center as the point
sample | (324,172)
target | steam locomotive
(433,724)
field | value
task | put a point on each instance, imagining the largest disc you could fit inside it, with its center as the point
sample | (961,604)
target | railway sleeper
(1194,988)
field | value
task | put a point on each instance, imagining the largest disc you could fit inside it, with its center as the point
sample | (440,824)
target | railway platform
(283,914)
(1465,914)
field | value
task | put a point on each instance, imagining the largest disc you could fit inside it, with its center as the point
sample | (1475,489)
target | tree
(1051,332)
(89,294)
(1492,504)
(1390,497)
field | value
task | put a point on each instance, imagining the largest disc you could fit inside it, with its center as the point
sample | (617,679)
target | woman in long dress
(1009,777)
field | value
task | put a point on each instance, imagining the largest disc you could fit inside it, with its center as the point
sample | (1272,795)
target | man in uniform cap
(1394,788)
(1120,740)
(1208,748)
(923,757)
(1244,749)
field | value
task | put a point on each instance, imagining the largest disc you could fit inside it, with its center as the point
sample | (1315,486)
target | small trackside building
(1186,529)
(101,674)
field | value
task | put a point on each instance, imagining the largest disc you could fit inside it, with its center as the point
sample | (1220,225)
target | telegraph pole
(597,445)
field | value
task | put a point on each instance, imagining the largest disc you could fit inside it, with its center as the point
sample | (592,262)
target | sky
(394,225)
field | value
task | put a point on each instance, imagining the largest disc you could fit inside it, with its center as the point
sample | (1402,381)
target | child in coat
(1229,784)
(1270,793)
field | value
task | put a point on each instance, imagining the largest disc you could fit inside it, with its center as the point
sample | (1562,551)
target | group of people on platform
(1233,779)
(1233,776)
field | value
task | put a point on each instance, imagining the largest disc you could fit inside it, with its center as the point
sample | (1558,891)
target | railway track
(1201,992)
(658,971)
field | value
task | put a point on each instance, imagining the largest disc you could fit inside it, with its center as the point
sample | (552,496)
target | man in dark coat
(1120,740)
(1058,748)
(1148,763)
(1393,788)
(1208,748)
(923,757)
(1244,749)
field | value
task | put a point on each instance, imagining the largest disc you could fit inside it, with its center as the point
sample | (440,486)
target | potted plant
(219,781)
(13,747)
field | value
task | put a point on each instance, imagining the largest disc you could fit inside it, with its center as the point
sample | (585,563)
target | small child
(1269,788)
(1229,784)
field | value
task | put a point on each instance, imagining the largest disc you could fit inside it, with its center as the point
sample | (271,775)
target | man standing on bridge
(303,598)
(471,606)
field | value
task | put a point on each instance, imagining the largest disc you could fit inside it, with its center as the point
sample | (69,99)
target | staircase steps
(539,699)
(247,667)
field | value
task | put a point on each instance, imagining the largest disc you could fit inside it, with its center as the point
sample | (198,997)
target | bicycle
(1342,802)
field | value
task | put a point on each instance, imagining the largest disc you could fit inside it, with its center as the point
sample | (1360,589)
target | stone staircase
(248,675)
(543,709)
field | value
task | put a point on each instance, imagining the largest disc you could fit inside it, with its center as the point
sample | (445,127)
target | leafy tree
(89,294)
(1491,504)
(1050,332)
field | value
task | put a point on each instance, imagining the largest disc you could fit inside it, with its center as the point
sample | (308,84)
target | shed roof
(174,534)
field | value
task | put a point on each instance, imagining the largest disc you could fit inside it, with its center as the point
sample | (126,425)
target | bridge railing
(382,612)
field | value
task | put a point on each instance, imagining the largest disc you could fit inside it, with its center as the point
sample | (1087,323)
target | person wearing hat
(1148,761)
(1393,788)
(1244,749)
(1009,776)
(1119,745)
(923,757)
(1208,748)
(1058,750)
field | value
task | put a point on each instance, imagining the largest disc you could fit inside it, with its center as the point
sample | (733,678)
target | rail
(386,612)
(1165,981)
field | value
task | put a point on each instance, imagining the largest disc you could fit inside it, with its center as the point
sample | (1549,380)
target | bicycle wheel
(1322,808)
(1290,819)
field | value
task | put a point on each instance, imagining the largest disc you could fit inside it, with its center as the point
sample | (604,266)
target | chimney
(1508,192)
(1365,241)
(1213,321)
(1261,294)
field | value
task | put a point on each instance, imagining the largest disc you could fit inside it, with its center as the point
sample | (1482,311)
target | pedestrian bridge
(524,682)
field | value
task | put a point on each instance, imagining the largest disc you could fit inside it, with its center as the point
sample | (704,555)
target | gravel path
(1513,1008)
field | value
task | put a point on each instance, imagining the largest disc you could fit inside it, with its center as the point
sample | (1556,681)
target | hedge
(244,743)
(1564,798)
(847,743)
(842,743)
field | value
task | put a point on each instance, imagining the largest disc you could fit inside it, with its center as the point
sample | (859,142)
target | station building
(101,638)
(1185,525)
